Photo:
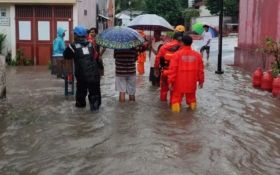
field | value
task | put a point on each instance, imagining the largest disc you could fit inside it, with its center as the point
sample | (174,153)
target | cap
(180,28)
(80,31)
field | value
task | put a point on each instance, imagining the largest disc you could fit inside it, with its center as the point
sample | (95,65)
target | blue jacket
(59,44)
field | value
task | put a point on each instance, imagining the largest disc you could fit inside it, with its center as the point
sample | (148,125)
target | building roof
(132,12)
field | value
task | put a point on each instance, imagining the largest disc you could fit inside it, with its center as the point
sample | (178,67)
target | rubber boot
(175,107)
(193,106)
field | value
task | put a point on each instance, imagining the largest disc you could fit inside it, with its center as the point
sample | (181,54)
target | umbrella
(214,32)
(198,28)
(150,22)
(119,38)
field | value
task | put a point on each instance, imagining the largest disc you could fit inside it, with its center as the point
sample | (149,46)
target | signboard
(4,21)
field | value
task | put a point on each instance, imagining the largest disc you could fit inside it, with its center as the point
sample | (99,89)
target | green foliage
(188,14)
(19,60)
(168,9)
(170,34)
(231,7)
(184,3)
(275,69)
(272,47)
(2,39)
(49,65)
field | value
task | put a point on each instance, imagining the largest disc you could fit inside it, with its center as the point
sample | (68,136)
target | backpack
(164,62)
(86,68)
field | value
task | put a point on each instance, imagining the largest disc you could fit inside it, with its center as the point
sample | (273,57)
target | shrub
(272,47)
(2,39)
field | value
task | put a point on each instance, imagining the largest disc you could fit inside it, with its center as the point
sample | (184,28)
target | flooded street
(234,131)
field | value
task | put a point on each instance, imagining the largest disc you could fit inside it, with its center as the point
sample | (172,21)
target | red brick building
(258,20)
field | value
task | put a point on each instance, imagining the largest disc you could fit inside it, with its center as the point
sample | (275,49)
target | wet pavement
(234,131)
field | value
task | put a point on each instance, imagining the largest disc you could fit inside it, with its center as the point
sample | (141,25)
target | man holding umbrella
(124,41)
(206,37)
(163,58)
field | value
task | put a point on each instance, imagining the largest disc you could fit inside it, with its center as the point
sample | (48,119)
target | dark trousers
(155,80)
(92,90)
(57,66)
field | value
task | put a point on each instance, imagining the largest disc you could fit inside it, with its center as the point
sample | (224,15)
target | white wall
(88,20)
(204,11)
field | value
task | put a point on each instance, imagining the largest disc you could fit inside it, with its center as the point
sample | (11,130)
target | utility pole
(130,10)
(221,16)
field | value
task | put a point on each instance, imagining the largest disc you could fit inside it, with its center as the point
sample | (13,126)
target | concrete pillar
(75,15)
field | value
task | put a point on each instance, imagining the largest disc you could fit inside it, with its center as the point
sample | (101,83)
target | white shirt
(153,56)
(206,37)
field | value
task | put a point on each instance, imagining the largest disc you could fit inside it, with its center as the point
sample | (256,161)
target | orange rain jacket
(185,70)
(164,50)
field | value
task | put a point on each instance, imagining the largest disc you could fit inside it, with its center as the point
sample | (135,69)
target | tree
(169,9)
(231,7)
(188,14)
(184,3)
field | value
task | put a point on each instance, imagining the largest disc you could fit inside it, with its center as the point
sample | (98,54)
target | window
(44,31)
(65,26)
(24,30)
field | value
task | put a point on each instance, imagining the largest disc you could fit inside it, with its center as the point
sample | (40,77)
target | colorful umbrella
(213,32)
(198,28)
(119,38)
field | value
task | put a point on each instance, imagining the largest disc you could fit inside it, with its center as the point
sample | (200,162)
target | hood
(60,31)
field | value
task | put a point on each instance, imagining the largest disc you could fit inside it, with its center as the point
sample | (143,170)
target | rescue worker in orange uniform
(142,56)
(163,58)
(186,71)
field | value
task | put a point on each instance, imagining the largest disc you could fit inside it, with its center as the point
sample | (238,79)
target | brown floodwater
(234,131)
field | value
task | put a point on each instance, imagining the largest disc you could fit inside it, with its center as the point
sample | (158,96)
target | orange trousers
(141,63)
(177,97)
(164,88)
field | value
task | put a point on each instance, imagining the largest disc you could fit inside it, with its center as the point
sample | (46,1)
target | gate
(36,29)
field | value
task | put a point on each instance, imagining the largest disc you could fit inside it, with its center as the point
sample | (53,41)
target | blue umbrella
(213,32)
(119,38)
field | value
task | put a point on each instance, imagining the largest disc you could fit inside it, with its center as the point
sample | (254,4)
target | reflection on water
(235,130)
